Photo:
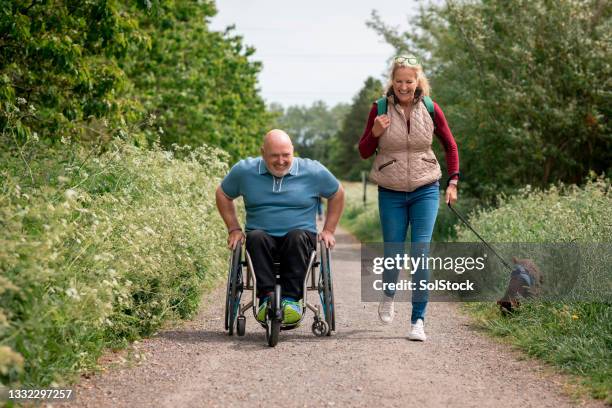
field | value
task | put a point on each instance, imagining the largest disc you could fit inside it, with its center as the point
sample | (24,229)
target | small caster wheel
(241,325)
(272,331)
(320,328)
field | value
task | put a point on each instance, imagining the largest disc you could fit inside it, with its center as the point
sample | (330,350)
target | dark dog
(525,282)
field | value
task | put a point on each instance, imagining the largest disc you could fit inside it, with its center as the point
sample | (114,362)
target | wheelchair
(318,278)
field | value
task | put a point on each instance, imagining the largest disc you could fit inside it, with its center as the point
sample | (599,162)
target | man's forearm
(227,210)
(335,205)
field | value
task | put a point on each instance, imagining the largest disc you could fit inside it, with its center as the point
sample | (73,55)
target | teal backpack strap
(430,108)
(382,106)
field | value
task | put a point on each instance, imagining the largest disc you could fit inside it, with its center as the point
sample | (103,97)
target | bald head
(277,152)
(276,138)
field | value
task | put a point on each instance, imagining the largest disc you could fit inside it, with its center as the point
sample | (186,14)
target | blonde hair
(402,61)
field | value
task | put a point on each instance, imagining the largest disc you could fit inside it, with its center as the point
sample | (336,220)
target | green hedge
(97,249)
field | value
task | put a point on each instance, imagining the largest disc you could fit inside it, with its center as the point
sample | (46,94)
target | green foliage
(559,214)
(198,83)
(94,70)
(562,214)
(345,154)
(524,82)
(359,218)
(58,60)
(312,128)
(99,249)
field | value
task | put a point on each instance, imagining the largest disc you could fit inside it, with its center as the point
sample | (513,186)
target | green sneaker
(263,307)
(292,311)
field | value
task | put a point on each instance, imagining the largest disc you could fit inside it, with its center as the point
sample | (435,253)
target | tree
(200,84)
(312,128)
(99,69)
(522,82)
(59,66)
(345,158)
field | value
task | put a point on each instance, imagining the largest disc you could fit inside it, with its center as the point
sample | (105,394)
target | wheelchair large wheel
(326,289)
(234,289)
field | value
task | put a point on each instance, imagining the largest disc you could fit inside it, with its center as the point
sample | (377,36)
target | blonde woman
(407,173)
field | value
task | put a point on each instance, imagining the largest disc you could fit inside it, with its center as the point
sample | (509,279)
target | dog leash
(462,218)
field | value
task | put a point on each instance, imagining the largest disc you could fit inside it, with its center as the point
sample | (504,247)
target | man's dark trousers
(292,251)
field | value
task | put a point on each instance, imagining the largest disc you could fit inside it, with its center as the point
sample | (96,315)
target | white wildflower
(72,292)
(151,119)
(70,194)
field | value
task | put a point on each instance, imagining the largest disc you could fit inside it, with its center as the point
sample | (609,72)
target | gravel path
(363,364)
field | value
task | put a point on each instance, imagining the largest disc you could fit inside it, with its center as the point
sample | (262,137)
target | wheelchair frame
(324,313)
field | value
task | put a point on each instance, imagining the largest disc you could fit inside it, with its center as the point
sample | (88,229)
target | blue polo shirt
(278,205)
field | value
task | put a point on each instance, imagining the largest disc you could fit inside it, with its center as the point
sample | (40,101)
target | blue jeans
(398,210)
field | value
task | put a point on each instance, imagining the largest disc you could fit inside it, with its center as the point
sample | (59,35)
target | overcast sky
(315,49)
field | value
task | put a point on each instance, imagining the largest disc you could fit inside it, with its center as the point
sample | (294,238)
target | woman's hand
(451,194)
(381,123)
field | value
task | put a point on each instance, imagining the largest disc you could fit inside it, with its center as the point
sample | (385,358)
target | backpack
(427,101)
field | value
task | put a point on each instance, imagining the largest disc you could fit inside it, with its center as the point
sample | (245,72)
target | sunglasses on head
(407,60)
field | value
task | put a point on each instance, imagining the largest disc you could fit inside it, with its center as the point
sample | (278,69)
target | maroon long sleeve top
(368,143)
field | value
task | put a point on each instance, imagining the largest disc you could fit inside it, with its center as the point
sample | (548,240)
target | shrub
(100,249)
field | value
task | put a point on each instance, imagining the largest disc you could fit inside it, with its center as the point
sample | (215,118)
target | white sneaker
(417,331)
(386,309)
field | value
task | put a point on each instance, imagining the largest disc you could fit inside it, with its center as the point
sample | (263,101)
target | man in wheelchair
(281,193)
